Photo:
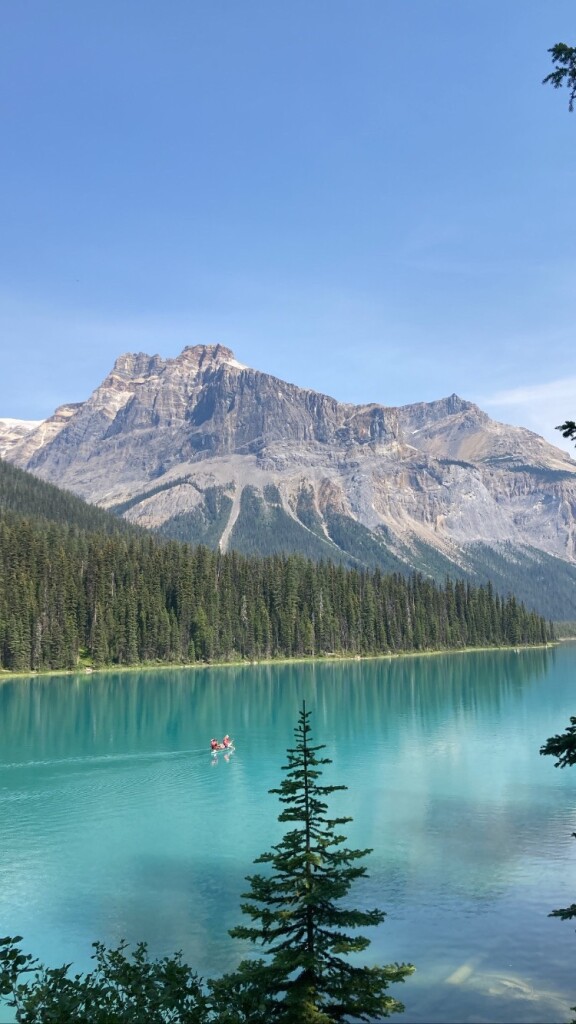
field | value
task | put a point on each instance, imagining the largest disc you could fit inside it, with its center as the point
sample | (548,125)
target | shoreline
(88,671)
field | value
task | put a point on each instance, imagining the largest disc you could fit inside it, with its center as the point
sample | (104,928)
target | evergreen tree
(299,918)
(564,74)
(563,747)
(66,593)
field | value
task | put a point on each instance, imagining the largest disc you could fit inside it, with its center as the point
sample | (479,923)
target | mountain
(12,431)
(24,497)
(208,450)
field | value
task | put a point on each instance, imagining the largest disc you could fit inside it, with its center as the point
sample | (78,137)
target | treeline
(68,596)
(24,494)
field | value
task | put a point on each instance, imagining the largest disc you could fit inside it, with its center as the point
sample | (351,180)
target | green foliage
(562,746)
(244,995)
(65,594)
(25,495)
(307,512)
(122,989)
(564,74)
(541,581)
(568,429)
(362,544)
(565,630)
(13,964)
(263,527)
(565,913)
(203,525)
(303,921)
(71,594)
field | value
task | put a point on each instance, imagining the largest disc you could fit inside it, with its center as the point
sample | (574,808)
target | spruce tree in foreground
(301,925)
(300,921)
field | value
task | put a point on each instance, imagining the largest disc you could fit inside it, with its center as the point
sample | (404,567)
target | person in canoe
(225,745)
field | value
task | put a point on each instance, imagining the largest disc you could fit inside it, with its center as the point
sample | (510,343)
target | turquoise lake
(116,823)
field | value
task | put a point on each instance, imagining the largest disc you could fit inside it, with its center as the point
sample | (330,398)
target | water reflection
(63,717)
(117,823)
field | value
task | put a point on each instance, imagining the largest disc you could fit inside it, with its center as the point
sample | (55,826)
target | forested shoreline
(70,596)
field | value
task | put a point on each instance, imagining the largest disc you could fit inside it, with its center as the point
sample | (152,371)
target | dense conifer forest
(25,495)
(79,586)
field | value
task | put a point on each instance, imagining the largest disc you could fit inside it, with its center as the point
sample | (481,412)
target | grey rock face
(159,436)
(13,431)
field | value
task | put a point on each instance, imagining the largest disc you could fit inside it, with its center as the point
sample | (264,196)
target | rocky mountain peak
(214,450)
(454,404)
(138,366)
(135,364)
(201,355)
(427,413)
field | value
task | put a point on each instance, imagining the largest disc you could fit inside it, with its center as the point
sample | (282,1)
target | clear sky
(373,199)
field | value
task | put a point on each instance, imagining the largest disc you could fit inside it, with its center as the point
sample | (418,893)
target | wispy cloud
(560,390)
(540,407)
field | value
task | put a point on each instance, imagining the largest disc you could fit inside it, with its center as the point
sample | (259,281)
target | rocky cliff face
(210,450)
(12,431)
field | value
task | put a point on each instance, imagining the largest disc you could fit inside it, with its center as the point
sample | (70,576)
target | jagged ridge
(208,449)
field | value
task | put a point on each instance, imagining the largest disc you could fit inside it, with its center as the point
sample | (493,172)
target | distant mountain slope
(81,587)
(12,431)
(24,495)
(208,450)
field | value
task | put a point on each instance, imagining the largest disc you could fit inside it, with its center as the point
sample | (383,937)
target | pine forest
(69,597)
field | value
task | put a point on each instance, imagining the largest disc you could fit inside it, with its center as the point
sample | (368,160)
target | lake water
(115,822)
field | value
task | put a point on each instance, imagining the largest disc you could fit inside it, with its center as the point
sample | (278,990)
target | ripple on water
(121,826)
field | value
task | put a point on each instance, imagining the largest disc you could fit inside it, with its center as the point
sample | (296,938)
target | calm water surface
(116,824)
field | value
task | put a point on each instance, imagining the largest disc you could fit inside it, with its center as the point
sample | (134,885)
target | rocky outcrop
(35,435)
(160,438)
(13,431)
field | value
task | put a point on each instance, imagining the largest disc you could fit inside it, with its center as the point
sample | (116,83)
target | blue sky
(371,199)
